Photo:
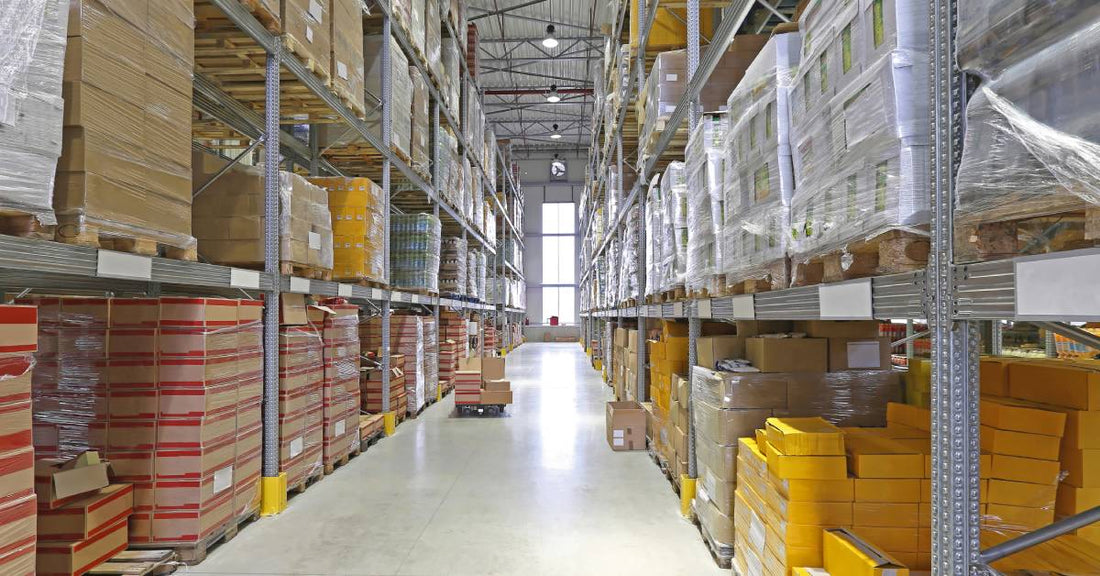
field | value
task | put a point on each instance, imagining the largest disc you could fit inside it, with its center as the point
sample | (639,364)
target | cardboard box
(72,558)
(818,513)
(885,514)
(875,457)
(1082,431)
(857,329)
(60,481)
(292,309)
(741,390)
(902,490)
(497,385)
(18,329)
(725,426)
(710,349)
(788,467)
(892,538)
(1082,468)
(859,354)
(498,397)
(788,354)
(17,473)
(1017,416)
(1018,518)
(492,368)
(17,516)
(625,426)
(1021,444)
(811,436)
(1073,500)
(796,490)
(750,328)
(88,516)
(1027,470)
(908,415)
(993,375)
(1059,383)
(1021,494)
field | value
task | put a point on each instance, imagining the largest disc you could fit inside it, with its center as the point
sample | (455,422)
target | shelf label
(397,297)
(678,309)
(299,285)
(744,307)
(111,264)
(375,294)
(846,300)
(702,309)
(1072,296)
(247,279)
(344,290)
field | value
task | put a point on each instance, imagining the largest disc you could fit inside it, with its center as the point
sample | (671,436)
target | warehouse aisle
(535,493)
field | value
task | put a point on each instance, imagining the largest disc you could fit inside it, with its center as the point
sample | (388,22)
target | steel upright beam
(435,143)
(695,328)
(955,446)
(387,123)
(694,324)
(996,340)
(693,59)
(271,266)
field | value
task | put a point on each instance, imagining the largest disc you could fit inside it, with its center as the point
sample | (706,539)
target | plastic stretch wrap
(1032,144)
(125,165)
(413,13)
(450,58)
(490,155)
(759,174)
(433,37)
(674,228)
(449,169)
(452,266)
(654,229)
(421,131)
(490,224)
(400,92)
(471,273)
(228,217)
(407,339)
(475,120)
(467,189)
(358,210)
(860,128)
(414,251)
(32,55)
(340,395)
(994,35)
(431,357)
(628,270)
(307,30)
(705,214)
(482,273)
(477,199)
(347,51)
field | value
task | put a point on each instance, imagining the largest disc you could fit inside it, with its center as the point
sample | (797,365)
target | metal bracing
(387,124)
(271,268)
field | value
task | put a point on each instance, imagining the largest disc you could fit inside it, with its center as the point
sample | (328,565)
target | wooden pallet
(192,553)
(891,252)
(24,225)
(364,282)
(675,294)
(723,555)
(345,96)
(1035,235)
(341,461)
(138,563)
(774,277)
(305,483)
(78,233)
(270,20)
(302,271)
(713,286)
(319,68)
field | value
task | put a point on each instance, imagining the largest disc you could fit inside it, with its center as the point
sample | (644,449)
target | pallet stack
(453,326)
(370,386)
(346,31)
(414,252)
(473,54)
(406,341)
(308,34)
(339,328)
(448,364)
(17,494)
(358,229)
(452,266)
(301,382)
(432,364)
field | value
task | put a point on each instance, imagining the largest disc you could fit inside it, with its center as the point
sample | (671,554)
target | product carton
(810,436)
(856,329)
(17,516)
(292,309)
(885,514)
(60,481)
(1025,470)
(496,397)
(1018,416)
(73,558)
(876,457)
(88,516)
(788,354)
(1020,444)
(18,329)
(711,349)
(625,426)
(1059,383)
(904,490)
(16,473)
(859,354)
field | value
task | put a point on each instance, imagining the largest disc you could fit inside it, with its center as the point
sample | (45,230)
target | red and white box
(185,526)
(18,526)
(16,473)
(197,401)
(130,435)
(196,372)
(132,372)
(194,463)
(73,558)
(132,341)
(194,432)
(185,312)
(133,312)
(132,404)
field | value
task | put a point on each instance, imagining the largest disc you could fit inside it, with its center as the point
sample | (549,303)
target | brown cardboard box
(192,525)
(859,354)
(711,349)
(860,329)
(17,516)
(64,558)
(788,354)
(17,473)
(497,385)
(741,390)
(18,329)
(725,426)
(492,368)
(626,425)
(496,396)
(60,481)
(86,517)
(292,311)
(750,328)
(306,24)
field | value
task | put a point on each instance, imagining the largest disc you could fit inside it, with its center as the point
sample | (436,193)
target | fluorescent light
(556,135)
(550,41)
(553,97)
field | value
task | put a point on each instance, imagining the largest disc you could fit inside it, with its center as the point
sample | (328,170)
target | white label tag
(344,290)
(375,294)
(316,11)
(314,241)
(342,70)
(702,309)
(111,264)
(671,77)
(296,446)
(1072,297)
(248,279)
(678,309)
(309,34)
(618,433)
(299,285)
(341,426)
(846,300)
(618,442)
(864,354)
(744,307)
(223,479)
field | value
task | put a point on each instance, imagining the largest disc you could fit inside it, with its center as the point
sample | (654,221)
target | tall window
(559,259)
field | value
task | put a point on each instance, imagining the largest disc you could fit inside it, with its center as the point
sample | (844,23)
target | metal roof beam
(495,70)
(502,10)
(594,39)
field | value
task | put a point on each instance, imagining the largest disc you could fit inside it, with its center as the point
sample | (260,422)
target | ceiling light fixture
(556,135)
(553,96)
(550,41)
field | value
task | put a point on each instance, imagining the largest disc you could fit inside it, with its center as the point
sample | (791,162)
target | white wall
(534,177)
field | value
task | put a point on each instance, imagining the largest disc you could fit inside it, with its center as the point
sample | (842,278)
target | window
(559,261)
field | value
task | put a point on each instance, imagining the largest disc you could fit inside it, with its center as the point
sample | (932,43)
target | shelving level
(251,87)
(1038,280)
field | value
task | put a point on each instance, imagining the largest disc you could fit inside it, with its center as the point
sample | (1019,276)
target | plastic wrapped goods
(407,338)
(450,59)
(414,251)
(452,266)
(759,175)
(229,220)
(308,34)
(421,133)
(431,357)
(346,28)
(358,210)
(338,324)
(128,174)
(674,233)
(31,106)
(860,129)
(433,36)
(1031,137)
(705,164)
(654,229)
(400,92)
(628,270)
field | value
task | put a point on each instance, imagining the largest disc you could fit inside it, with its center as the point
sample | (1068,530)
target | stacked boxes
(421,135)
(370,386)
(358,210)
(228,217)
(432,364)
(414,251)
(307,29)
(19,339)
(453,326)
(346,31)
(31,116)
(82,534)
(452,266)
(448,363)
(250,386)
(751,512)
(400,93)
(705,160)
(126,151)
(859,131)
(490,334)
(480,380)
(339,328)
(406,340)
(301,382)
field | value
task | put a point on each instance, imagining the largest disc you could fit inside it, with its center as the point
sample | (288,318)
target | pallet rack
(31,264)
(1050,290)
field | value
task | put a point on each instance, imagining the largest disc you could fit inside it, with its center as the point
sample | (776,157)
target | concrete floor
(537,492)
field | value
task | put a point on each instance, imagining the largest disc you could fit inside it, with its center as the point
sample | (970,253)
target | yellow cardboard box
(805,437)
(840,490)
(1072,500)
(818,513)
(993,374)
(1014,415)
(1082,431)
(805,467)
(1021,444)
(1025,469)
(912,416)
(891,538)
(1082,468)
(1022,493)
(1060,383)
(876,457)
(751,450)
(887,490)
(1017,517)
(887,514)
(847,554)
(808,571)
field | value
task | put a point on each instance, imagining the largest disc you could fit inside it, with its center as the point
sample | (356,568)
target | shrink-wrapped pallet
(654,230)
(414,252)
(358,210)
(433,37)
(421,131)
(628,268)
(674,233)
(450,58)
(431,357)
(400,92)
(346,28)
(307,33)
(705,162)
(452,266)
